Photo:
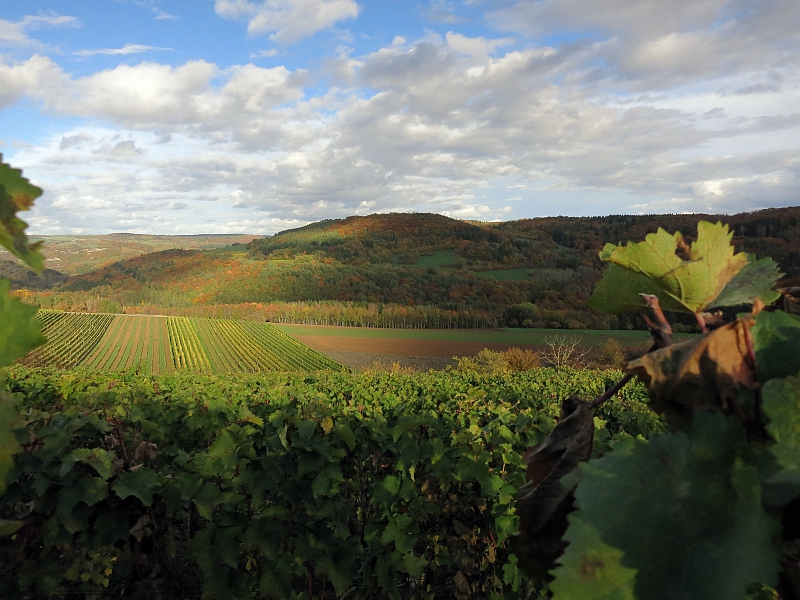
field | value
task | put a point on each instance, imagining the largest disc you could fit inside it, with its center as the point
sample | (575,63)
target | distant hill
(76,254)
(403,238)
(426,268)
(23,277)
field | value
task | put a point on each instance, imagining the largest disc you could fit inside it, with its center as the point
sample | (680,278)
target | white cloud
(69,141)
(36,78)
(651,44)
(163,16)
(126,49)
(444,125)
(15,32)
(264,53)
(478,48)
(287,21)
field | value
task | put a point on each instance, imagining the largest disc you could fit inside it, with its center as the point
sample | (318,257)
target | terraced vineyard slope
(157,344)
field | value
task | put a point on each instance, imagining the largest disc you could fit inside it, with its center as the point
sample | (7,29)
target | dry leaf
(463,589)
(545,502)
(145,450)
(142,528)
(700,374)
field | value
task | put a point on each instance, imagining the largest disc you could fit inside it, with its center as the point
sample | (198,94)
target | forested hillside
(416,270)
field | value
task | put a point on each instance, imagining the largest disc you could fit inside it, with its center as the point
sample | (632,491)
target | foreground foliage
(709,509)
(282,486)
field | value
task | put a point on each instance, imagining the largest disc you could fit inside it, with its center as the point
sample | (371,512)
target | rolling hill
(76,254)
(408,270)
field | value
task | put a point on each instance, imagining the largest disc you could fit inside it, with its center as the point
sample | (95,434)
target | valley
(397,271)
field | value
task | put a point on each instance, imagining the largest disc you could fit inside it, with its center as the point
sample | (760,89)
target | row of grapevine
(231,349)
(187,350)
(134,342)
(297,355)
(156,344)
(70,338)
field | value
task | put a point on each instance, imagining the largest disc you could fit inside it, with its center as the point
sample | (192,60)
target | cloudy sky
(252,116)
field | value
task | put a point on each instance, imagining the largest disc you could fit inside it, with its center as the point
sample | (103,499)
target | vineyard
(155,344)
(281,485)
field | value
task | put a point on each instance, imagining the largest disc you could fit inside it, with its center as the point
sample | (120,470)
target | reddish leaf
(545,501)
(700,374)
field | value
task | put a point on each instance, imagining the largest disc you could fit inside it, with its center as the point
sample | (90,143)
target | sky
(254,116)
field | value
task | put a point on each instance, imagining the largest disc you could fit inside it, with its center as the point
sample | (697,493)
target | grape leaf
(689,285)
(776,341)
(781,403)
(9,446)
(590,569)
(619,292)
(544,500)
(9,527)
(704,373)
(16,194)
(89,490)
(100,460)
(20,330)
(141,484)
(755,280)
(685,510)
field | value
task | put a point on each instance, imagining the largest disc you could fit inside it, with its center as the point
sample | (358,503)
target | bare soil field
(403,347)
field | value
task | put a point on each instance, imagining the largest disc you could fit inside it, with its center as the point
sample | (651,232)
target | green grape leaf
(755,280)
(689,284)
(140,483)
(590,569)
(16,194)
(619,292)
(9,527)
(545,501)
(89,490)
(99,459)
(685,510)
(9,446)
(781,403)
(776,341)
(20,330)
(704,373)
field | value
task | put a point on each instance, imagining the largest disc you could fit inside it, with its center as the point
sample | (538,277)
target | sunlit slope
(156,344)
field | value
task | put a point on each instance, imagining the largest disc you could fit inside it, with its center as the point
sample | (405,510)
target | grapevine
(705,510)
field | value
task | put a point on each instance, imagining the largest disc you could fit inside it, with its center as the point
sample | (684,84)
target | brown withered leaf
(142,528)
(700,374)
(145,450)
(790,300)
(545,502)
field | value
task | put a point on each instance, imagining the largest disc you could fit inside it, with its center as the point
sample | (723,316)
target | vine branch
(661,332)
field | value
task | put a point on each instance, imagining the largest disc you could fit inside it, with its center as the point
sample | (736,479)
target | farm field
(423,349)
(524,337)
(158,344)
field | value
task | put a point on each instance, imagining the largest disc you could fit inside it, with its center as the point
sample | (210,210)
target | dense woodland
(403,270)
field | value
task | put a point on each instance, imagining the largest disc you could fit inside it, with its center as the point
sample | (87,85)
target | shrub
(518,359)
(486,362)
(610,354)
